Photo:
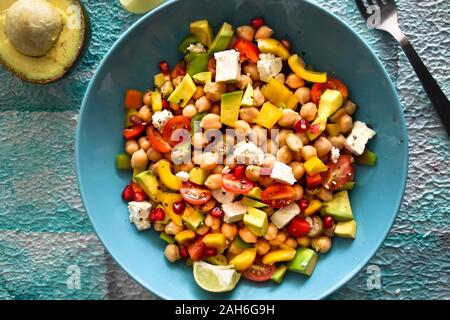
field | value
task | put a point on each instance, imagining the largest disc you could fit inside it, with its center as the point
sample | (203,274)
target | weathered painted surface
(48,248)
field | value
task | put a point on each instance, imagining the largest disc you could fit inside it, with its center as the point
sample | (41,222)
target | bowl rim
(169,3)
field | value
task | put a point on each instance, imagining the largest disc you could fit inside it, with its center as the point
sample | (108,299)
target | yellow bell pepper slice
(166,175)
(277,93)
(296,65)
(273,46)
(156,101)
(185,236)
(244,260)
(167,200)
(215,240)
(268,115)
(278,256)
(314,166)
(313,207)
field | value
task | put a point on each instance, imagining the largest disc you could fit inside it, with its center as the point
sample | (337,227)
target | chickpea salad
(242,157)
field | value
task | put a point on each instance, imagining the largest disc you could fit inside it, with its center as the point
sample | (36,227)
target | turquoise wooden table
(48,249)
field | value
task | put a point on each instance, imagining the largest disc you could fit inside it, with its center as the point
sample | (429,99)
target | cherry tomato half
(339,173)
(313,181)
(177,122)
(197,249)
(240,185)
(298,227)
(259,272)
(332,83)
(157,142)
(194,193)
(278,195)
(247,50)
(134,132)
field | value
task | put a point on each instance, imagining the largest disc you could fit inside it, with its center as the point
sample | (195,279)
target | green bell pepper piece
(186,42)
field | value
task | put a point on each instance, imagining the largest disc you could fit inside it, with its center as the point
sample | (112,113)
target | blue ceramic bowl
(329,45)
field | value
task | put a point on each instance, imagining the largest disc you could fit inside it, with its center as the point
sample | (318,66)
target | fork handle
(434,92)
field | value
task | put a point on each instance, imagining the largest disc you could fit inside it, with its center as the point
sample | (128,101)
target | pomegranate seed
(217,212)
(178,207)
(184,252)
(303,204)
(164,67)
(211,252)
(301,126)
(239,171)
(165,104)
(257,23)
(156,214)
(139,196)
(315,128)
(128,194)
(328,222)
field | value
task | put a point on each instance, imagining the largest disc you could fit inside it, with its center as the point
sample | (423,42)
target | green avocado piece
(230,105)
(252,203)
(249,97)
(304,261)
(222,39)
(186,42)
(195,122)
(218,260)
(330,101)
(346,229)
(241,243)
(183,92)
(167,238)
(196,63)
(255,193)
(256,220)
(202,77)
(198,175)
(347,186)
(147,181)
(60,44)
(202,31)
(339,207)
(123,161)
(368,158)
(192,218)
(279,274)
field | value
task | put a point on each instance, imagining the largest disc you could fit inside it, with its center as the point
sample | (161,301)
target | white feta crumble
(223,196)
(335,154)
(139,212)
(160,118)
(248,153)
(228,66)
(234,211)
(281,172)
(196,48)
(284,215)
(226,170)
(358,138)
(183,176)
(269,66)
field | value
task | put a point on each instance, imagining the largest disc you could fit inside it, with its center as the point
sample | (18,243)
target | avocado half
(60,58)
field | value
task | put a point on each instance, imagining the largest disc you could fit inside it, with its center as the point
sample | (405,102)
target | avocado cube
(202,77)
(202,31)
(147,181)
(230,105)
(222,39)
(249,97)
(346,229)
(339,207)
(304,261)
(252,203)
(256,220)
(347,186)
(196,63)
(278,275)
(198,175)
(255,193)
(330,101)
(183,92)
(192,218)
(368,158)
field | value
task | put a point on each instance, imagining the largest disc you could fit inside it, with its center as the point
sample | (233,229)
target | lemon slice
(140,6)
(215,278)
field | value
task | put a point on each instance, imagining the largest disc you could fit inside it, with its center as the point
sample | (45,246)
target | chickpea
(203,104)
(139,159)
(264,32)
(218,169)
(303,95)
(198,93)
(323,146)
(153,155)
(252,172)
(248,114)
(288,118)
(172,252)
(258,97)
(144,143)
(131,146)
(304,242)
(282,137)
(214,181)
(176,81)
(298,192)
(242,128)
(280,77)
(172,228)
(308,111)
(291,242)
(269,160)
(349,107)
(145,114)
(297,156)
(208,161)
(214,90)
(297,169)
(202,230)
(212,222)
(304,137)
(158,226)
(266,181)
(284,155)
(272,232)
(148,98)
(324,194)
(337,141)
(279,239)
(234,249)
(211,122)
(247,236)
(262,246)
(308,152)
(243,82)
(229,230)
(345,123)
(251,70)
(245,32)
(321,244)
(166,89)
(294,81)
(189,111)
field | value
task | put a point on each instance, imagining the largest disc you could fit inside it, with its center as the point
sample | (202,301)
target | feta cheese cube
(248,153)
(234,211)
(269,66)
(139,212)
(335,154)
(358,138)
(228,66)
(284,215)
(183,176)
(160,118)
(196,48)
(281,172)
(223,196)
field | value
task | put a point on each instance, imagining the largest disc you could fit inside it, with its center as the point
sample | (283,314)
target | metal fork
(382,15)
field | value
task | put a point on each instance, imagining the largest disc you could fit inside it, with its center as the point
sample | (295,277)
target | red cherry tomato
(247,50)
(197,249)
(239,171)
(234,184)
(177,122)
(298,227)
(339,173)
(278,195)
(194,193)
(257,23)
(164,67)
(157,142)
(259,272)
(134,132)
(313,181)
(332,83)
(179,70)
